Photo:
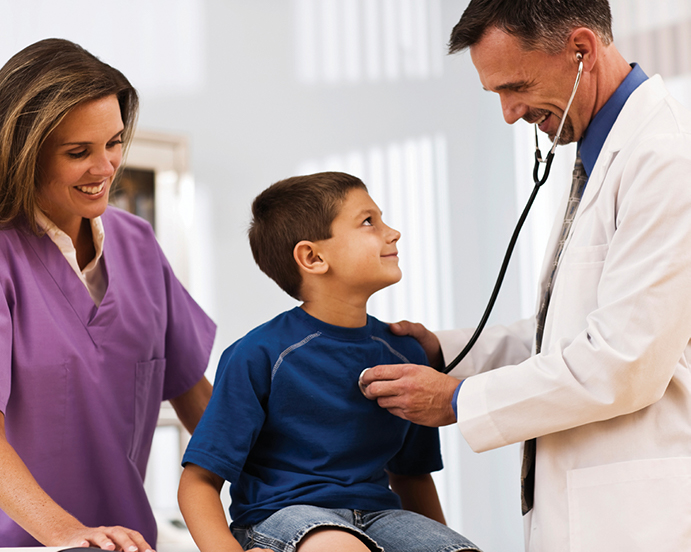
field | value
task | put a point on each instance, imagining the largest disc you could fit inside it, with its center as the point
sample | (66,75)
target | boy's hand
(415,393)
(428,340)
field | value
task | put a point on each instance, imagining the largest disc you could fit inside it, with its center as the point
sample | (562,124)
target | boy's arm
(201,506)
(418,494)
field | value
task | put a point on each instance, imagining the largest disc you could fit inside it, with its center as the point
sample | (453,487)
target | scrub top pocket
(148,394)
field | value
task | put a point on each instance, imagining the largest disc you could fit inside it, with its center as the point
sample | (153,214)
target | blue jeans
(384,531)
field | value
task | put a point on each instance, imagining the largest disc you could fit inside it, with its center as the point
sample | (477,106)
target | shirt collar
(598,129)
(64,242)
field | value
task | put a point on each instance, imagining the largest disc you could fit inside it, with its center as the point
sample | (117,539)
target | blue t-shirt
(287,423)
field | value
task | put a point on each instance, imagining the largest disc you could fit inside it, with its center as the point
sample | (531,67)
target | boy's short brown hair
(292,210)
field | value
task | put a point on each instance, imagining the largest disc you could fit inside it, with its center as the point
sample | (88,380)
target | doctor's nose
(512,109)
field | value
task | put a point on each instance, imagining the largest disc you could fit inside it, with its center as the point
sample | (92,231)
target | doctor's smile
(539,117)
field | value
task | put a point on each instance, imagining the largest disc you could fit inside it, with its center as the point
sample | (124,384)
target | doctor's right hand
(427,339)
(419,394)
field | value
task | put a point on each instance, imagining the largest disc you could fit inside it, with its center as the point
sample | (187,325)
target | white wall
(260,93)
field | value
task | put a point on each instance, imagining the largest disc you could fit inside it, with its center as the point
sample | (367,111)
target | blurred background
(237,94)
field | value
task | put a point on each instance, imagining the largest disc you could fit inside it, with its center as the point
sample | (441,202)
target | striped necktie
(578,182)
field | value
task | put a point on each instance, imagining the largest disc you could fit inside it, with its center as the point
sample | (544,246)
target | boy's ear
(307,257)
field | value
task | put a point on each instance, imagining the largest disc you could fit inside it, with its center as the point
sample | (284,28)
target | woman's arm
(22,498)
(418,494)
(200,504)
(191,405)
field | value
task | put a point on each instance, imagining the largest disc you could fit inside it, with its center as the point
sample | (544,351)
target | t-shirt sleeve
(189,337)
(235,415)
(420,453)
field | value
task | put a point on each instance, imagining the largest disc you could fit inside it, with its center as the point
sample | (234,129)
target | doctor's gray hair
(539,24)
(39,86)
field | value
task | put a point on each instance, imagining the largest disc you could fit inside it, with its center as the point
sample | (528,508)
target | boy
(308,457)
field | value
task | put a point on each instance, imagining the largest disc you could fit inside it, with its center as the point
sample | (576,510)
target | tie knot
(579,161)
(579,177)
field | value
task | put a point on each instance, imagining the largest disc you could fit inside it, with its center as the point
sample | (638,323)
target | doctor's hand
(416,393)
(427,339)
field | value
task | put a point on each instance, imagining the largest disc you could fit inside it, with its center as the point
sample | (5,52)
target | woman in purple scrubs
(95,329)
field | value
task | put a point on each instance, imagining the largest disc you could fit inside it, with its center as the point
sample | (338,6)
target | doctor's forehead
(502,63)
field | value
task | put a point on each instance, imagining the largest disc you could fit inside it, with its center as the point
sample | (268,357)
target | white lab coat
(609,398)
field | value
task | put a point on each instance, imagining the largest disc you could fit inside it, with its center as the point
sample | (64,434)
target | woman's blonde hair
(38,88)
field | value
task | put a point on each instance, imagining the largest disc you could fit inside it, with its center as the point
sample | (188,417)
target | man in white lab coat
(607,399)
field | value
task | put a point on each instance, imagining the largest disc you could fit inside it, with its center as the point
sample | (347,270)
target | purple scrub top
(81,386)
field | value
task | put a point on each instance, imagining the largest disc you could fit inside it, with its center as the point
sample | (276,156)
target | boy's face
(361,252)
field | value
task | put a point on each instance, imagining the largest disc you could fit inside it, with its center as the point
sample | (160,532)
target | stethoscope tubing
(539,181)
(505,263)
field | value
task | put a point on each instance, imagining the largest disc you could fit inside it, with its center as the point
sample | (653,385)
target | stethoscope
(539,181)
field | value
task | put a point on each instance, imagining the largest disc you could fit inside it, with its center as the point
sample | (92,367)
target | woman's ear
(306,255)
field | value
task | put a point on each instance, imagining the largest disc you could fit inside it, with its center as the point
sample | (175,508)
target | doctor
(605,404)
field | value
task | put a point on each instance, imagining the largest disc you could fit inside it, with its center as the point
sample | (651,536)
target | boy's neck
(347,314)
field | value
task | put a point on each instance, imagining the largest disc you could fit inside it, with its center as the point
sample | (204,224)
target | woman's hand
(109,538)
(27,504)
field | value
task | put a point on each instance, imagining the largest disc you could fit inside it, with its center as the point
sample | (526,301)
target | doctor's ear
(307,257)
(584,46)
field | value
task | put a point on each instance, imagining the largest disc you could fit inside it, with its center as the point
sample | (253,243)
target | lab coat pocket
(637,505)
(584,256)
(575,290)
(148,393)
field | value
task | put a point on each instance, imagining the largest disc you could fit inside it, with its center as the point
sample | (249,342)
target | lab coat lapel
(627,125)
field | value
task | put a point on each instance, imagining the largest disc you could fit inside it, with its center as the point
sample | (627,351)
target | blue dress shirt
(595,135)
